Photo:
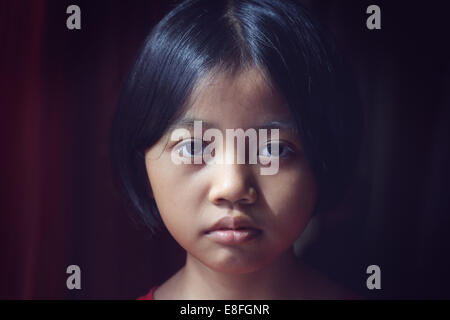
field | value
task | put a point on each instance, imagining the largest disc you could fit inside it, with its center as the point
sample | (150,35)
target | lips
(233,230)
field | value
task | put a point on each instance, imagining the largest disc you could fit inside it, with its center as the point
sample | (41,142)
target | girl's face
(191,198)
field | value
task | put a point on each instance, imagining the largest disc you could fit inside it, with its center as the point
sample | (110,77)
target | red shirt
(149,295)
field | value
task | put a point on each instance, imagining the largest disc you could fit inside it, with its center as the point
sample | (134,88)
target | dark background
(59,207)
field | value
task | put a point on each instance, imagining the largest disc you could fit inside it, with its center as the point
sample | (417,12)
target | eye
(191,148)
(276,149)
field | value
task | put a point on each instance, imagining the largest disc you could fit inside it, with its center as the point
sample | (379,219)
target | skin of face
(192,197)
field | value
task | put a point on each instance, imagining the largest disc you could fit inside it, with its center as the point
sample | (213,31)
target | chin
(235,265)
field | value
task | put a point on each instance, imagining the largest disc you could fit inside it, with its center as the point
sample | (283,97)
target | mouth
(233,230)
(233,236)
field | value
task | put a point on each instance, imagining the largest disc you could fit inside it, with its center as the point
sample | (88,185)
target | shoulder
(168,290)
(320,287)
(149,295)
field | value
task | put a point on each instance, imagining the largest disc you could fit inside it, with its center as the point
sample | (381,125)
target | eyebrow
(188,123)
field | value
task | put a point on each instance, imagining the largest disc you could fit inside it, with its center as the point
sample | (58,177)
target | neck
(276,280)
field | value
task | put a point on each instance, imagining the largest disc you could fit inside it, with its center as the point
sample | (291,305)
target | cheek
(176,197)
(291,195)
(174,209)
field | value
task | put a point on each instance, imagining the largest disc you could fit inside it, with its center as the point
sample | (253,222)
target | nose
(232,185)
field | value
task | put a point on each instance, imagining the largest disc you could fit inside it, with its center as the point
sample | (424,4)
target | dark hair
(278,37)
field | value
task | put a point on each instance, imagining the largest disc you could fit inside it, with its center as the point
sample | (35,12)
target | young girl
(250,65)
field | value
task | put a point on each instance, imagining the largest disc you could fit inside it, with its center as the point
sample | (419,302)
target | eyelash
(282,146)
(288,151)
(186,143)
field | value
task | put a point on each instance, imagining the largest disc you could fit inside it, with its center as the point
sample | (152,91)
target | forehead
(244,99)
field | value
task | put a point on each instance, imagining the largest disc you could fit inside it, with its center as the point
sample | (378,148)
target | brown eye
(276,149)
(192,148)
